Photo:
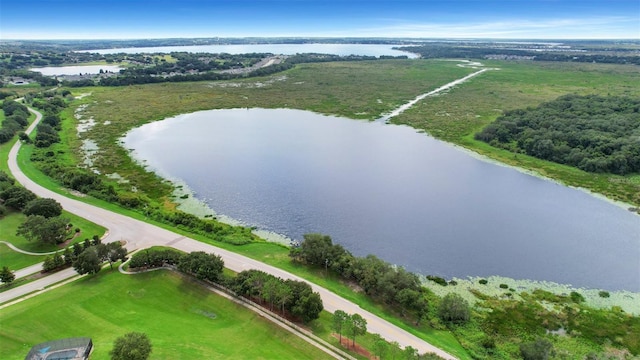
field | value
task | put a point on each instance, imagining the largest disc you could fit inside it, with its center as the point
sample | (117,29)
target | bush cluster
(16,120)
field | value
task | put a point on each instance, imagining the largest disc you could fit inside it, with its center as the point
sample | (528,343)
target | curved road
(138,235)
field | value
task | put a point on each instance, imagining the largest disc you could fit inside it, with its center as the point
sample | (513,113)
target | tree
(308,307)
(46,230)
(204,266)
(269,291)
(356,325)
(454,309)
(87,262)
(7,276)
(540,349)
(304,304)
(16,197)
(316,248)
(394,349)
(111,252)
(339,319)
(283,295)
(131,346)
(380,346)
(410,353)
(115,252)
(45,207)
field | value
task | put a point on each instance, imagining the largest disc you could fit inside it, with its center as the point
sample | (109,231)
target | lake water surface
(76,70)
(393,192)
(278,49)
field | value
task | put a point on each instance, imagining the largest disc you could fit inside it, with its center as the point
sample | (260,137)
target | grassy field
(183,320)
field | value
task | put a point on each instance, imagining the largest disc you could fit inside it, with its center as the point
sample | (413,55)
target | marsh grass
(465,110)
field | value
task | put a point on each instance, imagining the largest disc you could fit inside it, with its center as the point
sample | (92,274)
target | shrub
(604,294)
(454,309)
(43,206)
(483,281)
(504,286)
(437,280)
(541,349)
(576,297)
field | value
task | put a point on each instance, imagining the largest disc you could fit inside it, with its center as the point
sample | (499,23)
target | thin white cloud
(601,27)
(586,28)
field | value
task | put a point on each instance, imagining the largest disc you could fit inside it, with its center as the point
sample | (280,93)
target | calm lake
(393,192)
(76,70)
(279,49)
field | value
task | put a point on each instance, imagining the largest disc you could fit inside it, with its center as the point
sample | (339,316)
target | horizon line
(322,37)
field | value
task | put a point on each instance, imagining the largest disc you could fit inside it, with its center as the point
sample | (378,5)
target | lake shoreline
(189,200)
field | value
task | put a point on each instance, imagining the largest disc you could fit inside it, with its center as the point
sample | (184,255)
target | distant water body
(76,70)
(278,49)
(390,191)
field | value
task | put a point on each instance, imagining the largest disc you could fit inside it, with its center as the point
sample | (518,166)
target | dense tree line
(388,284)
(481,51)
(86,257)
(593,133)
(293,297)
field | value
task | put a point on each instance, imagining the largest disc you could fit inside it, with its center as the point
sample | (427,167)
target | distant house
(19,81)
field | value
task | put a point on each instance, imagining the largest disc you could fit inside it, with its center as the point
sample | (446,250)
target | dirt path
(442,88)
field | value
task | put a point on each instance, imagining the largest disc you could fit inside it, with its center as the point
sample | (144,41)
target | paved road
(138,235)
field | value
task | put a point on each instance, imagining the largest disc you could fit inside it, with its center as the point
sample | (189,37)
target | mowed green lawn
(183,321)
(15,260)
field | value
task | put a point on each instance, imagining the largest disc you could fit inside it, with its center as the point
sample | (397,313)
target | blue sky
(509,19)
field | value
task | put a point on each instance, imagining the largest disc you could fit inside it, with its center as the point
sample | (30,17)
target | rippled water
(390,191)
(279,49)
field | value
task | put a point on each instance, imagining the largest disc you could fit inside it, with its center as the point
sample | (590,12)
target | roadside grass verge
(15,260)
(183,321)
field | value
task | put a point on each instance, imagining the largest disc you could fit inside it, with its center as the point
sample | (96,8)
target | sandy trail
(442,88)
